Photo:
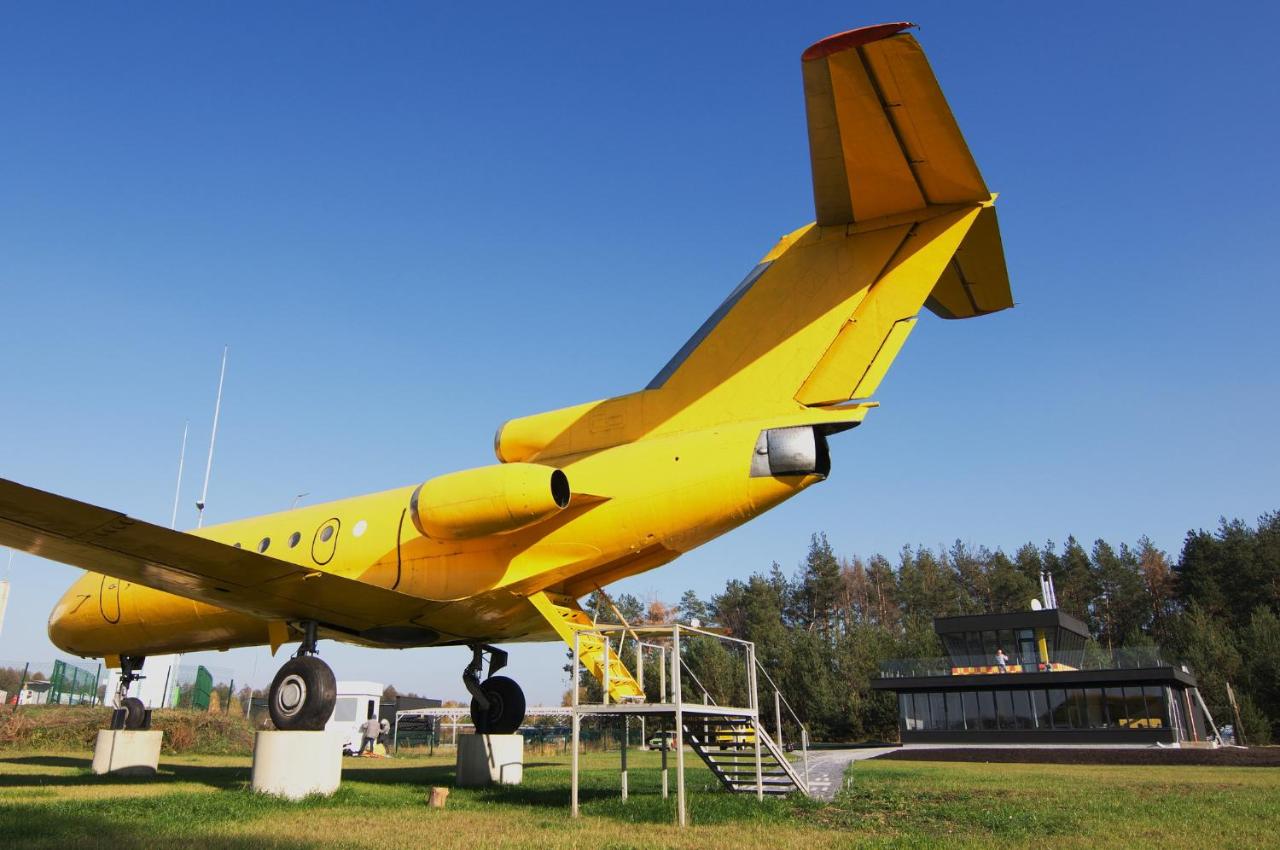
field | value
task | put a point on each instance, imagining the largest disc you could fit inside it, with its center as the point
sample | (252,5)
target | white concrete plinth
(127,752)
(295,764)
(490,760)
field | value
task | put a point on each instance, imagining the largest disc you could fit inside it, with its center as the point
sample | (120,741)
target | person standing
(1002,660)
(370,731)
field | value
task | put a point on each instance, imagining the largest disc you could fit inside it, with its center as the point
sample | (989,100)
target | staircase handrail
(783,699)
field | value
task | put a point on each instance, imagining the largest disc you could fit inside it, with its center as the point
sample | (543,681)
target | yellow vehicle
(738,737)
(737,422)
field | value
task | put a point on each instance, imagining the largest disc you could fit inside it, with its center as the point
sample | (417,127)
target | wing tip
(852,38)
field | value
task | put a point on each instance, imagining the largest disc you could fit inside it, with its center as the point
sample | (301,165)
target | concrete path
(827,767)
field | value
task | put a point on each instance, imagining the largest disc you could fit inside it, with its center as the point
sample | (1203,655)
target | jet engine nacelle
(488,500)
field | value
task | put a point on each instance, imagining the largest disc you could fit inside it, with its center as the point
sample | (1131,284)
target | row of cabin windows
(264,544)
(1129,707)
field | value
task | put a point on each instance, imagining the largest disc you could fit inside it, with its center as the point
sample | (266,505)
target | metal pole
(640,675)
(804,748)
(759,727)
(213,435)
(662,674)
(626,727)
(665,792)
(231,689)
(574,722)
(97,677)
(182,456)
(777,717)
(682,816)
(22,684)
(605,678)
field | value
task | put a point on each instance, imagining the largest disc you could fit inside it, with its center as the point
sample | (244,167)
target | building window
(922,711)
(987,709)
(1078,713)
(974,639)
(1116,714)
(1157,715)
(1004,709)
(1096,716)
(970,701)
(1023,716)
(1040,710)
(955,714)
(937,712)
(989,649)
(1058,709)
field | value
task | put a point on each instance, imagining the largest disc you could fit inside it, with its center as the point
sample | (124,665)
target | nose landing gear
(497,704)
(304,691)
(130,712)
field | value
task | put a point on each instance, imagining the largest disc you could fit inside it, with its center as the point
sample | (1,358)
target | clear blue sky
(411,225)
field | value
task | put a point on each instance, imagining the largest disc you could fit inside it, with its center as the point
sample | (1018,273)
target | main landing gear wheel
(135,713)
(506,707)
(302,695)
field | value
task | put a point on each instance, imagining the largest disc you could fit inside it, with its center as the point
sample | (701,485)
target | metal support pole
(665,792)
(605,677)
(640,675)
(662,674)
(682,816)
(97,678)
(626,727)
(777,717)
(575,722)
(759,727)
(231,689)
(804,748)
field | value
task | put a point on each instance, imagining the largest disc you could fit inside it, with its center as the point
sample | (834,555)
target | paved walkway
(827,767)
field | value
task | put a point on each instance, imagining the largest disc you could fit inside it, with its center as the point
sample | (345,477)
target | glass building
(1027,677)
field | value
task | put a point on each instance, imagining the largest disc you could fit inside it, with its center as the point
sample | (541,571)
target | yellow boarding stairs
(726,744)
(563,613)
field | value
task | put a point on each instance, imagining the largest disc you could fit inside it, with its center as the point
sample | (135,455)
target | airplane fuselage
(634,507)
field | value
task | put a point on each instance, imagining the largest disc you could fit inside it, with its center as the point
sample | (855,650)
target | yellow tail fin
(904,221)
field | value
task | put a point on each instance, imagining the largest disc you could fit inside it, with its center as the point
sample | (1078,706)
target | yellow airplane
(736,423)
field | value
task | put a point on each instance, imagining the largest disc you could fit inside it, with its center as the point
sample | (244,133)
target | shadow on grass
(49,827)
(217,777)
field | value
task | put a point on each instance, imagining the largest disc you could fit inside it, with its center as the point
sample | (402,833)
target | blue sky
(411,224)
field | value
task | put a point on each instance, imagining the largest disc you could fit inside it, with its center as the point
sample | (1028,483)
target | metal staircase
(729,748)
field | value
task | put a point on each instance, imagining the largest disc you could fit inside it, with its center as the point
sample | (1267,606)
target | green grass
(203,801)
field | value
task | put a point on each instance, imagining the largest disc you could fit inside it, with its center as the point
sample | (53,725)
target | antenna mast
(182,456)
(208,467)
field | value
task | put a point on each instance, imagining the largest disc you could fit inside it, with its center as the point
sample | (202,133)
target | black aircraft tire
(506,707)
(302,695)
(135,712)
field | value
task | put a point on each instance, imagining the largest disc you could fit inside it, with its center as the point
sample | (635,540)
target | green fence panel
(202,689)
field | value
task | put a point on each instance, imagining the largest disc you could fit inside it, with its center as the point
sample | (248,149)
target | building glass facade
(1041,694)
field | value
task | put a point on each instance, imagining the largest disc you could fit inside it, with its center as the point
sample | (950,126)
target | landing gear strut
(130,712)
(303,693)
(497,703)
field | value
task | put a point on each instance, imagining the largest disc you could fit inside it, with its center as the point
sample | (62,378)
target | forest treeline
(823,630)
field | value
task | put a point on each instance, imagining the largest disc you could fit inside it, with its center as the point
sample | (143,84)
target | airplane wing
(110,542)
(881,136)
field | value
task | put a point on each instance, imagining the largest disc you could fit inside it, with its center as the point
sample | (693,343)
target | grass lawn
(51,799)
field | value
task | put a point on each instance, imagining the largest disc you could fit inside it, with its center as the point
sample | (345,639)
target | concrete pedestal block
(295,764)
(490,760)
(124,752)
